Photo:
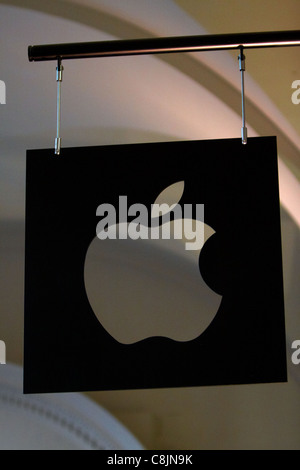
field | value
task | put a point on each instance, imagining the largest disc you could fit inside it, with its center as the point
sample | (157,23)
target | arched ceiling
(159,97)
(273,70)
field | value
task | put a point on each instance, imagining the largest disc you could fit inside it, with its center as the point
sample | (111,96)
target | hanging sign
(153,265)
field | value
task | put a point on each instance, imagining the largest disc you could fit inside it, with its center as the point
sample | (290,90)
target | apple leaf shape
(167,199)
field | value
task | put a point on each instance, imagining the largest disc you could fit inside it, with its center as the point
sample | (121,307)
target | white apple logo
(146,287)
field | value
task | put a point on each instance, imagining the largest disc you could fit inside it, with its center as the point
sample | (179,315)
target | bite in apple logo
(144,281)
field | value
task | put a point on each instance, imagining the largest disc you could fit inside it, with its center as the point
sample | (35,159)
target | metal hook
(242,67)
(59,77)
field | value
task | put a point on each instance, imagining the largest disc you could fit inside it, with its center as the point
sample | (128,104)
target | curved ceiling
(142,98)
(273,70)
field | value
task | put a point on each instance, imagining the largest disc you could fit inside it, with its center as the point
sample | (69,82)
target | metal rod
(164,45)
(242,65)
(59,76)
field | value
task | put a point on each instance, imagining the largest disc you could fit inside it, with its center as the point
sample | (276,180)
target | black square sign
(153,265)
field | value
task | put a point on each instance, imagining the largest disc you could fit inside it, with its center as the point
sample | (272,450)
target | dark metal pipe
(163,45)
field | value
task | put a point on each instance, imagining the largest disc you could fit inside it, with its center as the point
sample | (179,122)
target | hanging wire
(242,66)
(59,76)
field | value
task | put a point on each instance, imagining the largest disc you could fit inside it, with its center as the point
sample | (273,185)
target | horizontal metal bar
(163,45)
